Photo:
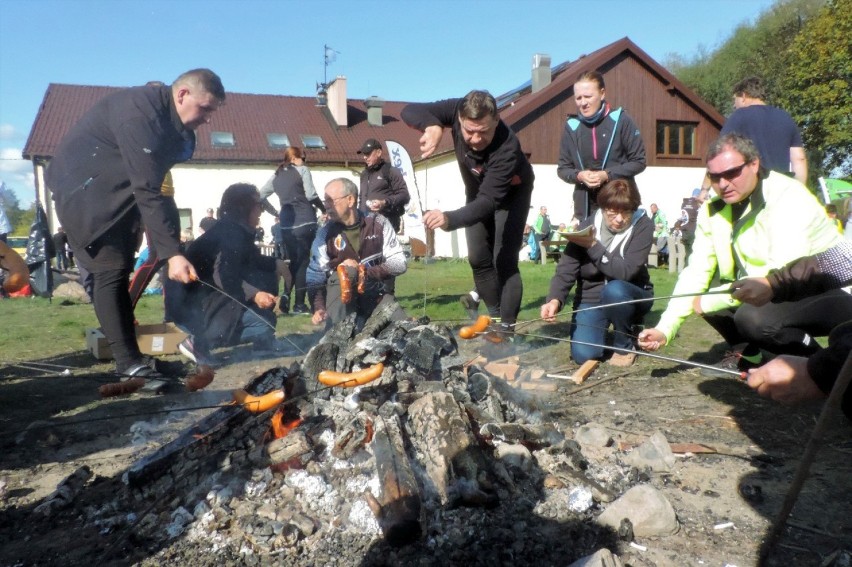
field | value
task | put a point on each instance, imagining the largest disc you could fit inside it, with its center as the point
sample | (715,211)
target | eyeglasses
(330,201)
(612,213)
(728,174)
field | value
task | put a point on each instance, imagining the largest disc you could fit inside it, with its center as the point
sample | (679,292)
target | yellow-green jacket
(783,221)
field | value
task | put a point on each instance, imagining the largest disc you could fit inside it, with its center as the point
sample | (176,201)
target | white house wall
(441,187)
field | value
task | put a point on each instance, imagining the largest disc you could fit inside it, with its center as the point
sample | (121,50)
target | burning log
(398,511)
(294,450)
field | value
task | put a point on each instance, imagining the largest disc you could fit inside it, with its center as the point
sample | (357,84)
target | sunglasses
(728,174)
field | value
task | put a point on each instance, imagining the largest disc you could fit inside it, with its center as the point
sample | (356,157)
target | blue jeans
(591,326)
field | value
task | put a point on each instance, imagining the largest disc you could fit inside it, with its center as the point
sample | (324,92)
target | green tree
(817,85)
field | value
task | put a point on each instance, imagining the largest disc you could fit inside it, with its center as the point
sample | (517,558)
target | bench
(552,249)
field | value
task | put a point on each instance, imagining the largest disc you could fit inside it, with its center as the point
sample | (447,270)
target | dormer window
(222,139)
(313,142)
(278,141)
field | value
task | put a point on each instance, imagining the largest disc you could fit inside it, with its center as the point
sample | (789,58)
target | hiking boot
(301,310)
(470,304)
(195,353)
(733,361)
(622,359)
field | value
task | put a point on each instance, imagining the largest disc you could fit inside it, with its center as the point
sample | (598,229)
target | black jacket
(595,266)
(384,182)
(492,177)
(111,164)
(226,257)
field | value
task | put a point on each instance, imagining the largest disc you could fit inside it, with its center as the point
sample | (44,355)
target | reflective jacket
(782,221)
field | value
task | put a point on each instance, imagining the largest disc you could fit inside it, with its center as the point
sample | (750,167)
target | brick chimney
(374,106)
(337,101)
(540,71)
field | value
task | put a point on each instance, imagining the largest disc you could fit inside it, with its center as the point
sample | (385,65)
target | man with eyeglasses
(352,257)
(498,180)
(758,221)
(106,178)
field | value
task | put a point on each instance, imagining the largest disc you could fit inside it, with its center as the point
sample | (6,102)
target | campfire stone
(593,434)
(600,558)
(515,455)
(646,508)
(655,453)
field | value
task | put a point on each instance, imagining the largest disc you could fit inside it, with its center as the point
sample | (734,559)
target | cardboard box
(156,340)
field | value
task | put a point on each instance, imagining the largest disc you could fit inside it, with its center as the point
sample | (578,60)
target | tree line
(802,50)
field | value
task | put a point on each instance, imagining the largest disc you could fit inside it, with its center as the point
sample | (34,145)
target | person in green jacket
(759,220)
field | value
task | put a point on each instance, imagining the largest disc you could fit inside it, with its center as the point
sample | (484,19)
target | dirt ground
(53,424)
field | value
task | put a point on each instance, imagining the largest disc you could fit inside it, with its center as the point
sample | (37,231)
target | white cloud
(18,175)
(7,132)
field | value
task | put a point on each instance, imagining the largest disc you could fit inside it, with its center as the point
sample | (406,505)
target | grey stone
(593,434)
(600,558)
(72,292)
(647,509)
(654,453)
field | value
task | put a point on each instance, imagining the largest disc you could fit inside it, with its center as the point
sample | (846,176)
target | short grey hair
(736,142)
(349,187)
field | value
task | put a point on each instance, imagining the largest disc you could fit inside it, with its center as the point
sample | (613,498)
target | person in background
(759,220)
(794,379)
(60,243)
(106,178)
(689,216)
(772,130)
(599,145)
(498,180)
(207,222)
(542,229)
(676,248)
(365,244)
(227,258)
(661,234)
(608,267)
(294,186)
(831,213)
(383,189)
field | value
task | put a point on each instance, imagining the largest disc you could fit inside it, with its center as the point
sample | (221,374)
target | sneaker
(301,310)
(470,304)
(622,359)
(193,352)
(733,361)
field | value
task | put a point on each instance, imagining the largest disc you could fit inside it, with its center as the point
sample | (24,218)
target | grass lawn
(35,328)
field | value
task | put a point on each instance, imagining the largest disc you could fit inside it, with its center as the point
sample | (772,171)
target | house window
(278,141)
(222,139)
(313,142)
(675,138)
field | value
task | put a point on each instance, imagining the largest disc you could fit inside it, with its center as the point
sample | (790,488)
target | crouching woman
(608,268)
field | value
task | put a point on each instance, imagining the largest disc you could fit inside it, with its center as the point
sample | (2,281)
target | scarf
(597,116)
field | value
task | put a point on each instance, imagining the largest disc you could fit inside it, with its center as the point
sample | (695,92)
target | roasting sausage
(121,388)
(258,404)
(201,379)
(345,284)
(480,326)
(362,279)
(351,379)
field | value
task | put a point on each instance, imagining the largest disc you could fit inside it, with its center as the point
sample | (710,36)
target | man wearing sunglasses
(758,221)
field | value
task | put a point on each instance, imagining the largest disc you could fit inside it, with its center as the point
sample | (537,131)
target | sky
(398,50)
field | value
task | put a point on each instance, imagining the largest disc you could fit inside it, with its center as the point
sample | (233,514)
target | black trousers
(298,242)
(492,252)
(784,328)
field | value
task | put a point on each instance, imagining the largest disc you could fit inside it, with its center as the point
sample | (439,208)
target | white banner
(413,219)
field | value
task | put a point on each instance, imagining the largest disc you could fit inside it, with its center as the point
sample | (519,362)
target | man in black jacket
(383,189)
(105,179)
(498,181)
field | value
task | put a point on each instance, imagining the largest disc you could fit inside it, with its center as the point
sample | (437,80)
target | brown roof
(519,105)
(249,117)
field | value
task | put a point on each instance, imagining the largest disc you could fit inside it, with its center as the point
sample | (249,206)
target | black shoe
(154,381)
(301,310)
(470,304)
(284,304)
(733,361)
